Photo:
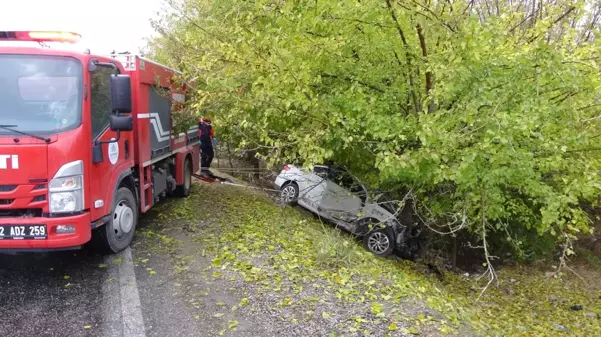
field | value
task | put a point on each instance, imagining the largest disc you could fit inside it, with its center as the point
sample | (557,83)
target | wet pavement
(51,294)
(82,293)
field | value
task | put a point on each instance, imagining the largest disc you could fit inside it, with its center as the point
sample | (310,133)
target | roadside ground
(247,266)
(231,261)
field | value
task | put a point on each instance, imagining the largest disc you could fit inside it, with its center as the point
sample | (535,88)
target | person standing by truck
(207,140)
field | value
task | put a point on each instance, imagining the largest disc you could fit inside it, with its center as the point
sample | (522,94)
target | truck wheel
(118,233)
(184,190)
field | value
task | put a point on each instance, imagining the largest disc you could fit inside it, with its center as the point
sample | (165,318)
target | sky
(105,25)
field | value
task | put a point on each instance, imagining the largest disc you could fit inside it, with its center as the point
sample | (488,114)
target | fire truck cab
(86,144)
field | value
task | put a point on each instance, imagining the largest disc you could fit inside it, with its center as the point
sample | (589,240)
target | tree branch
(422,44)
(407,54)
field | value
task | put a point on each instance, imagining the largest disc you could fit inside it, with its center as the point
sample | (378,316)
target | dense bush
(486,111)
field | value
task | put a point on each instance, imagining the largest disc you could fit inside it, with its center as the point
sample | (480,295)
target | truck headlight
(66,189)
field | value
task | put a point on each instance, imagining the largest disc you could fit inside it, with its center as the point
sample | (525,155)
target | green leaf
(413,330)
(376,308)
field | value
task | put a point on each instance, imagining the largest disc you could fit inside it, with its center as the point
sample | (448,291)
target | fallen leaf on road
(413,330)
(233,325)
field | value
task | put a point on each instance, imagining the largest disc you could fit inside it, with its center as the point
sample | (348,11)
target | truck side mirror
(121,123)
(120,93)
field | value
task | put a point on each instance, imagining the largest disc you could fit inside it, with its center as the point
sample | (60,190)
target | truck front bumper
(54,241)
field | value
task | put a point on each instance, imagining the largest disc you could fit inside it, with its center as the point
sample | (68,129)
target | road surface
(76,293)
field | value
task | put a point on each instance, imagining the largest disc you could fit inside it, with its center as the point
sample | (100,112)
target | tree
(487,111)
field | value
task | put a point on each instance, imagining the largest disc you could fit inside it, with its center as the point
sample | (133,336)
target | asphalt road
(76,293)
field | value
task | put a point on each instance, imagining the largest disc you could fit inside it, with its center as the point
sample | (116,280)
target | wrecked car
(333,194)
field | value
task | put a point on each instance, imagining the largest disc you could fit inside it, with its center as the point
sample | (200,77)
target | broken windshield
(40,94)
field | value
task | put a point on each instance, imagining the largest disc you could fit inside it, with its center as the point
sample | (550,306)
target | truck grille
(7,188)
(21,213)
(6,201)
(39,198)
(23,201)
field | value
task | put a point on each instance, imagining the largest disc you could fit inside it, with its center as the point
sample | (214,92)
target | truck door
(116,155)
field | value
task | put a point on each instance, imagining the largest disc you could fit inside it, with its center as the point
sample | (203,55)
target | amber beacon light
(40,36)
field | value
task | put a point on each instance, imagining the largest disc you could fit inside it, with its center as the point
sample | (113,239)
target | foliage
(183,115)
(487,112)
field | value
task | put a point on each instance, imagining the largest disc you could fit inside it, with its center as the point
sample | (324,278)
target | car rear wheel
(289,193)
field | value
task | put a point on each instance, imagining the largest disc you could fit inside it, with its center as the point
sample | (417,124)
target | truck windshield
(40,94)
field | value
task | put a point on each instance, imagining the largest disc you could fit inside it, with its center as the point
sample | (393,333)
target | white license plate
(23,232)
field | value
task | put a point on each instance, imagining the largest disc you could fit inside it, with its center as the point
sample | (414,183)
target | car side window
(101,99)
(321,171)
(346,181)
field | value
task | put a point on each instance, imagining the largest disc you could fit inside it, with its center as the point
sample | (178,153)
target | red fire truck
(86,144)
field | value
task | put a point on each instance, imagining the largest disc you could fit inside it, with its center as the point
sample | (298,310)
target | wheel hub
(288,193)
(378,242)
(123,219)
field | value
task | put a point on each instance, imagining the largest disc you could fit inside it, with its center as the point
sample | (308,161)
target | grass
(282,251)
(333,249)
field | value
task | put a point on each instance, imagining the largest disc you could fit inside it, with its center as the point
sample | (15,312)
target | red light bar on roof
(41,36)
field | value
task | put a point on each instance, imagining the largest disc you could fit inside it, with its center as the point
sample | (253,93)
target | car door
(340,201)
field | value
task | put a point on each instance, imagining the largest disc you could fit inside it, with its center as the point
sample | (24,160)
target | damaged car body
(334,195)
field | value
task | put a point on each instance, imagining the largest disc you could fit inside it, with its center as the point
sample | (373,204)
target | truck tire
(184,190)
(118,232)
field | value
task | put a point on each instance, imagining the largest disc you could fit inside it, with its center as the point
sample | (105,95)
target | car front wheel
(379,241)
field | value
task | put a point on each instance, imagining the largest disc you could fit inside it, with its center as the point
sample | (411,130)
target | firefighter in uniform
(207,139)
